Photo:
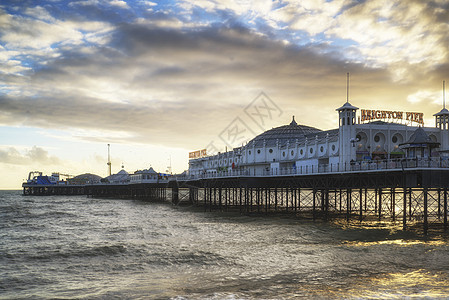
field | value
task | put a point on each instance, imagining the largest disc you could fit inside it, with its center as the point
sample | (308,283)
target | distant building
(84,179)
(148,176)
(119,178)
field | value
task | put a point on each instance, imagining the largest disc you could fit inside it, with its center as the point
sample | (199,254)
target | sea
(74,247)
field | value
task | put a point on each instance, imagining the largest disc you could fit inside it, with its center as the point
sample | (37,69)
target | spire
(293,123)
(444,111)
(347,87)
(444,96)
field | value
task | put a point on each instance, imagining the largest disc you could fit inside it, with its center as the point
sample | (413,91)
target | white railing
(355,166)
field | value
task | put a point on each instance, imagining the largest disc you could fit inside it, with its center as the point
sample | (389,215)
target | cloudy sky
(157,79)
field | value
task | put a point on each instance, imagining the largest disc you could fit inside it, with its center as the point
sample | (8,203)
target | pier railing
(354,166)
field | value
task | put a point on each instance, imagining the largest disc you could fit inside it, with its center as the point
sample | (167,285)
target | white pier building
(364,140)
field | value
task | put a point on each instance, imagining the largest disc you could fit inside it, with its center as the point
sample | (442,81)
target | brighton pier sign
(371,115)
(198,154)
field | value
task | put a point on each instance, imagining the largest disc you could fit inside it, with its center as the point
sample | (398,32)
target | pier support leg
(314,203)
(340,200)
(296,200)
(251,199)
(375,201)
(404,211)
(380,204)
(361,204)
(393,203)
(175,195)
(258,198)
(240,199)
(426,225)
(410,193)
(348,204)
(205,199)
(192,195)
(275,199)
(210,199)
(226,198)
(322,202)
(267,199)
(445,209)
(219,198)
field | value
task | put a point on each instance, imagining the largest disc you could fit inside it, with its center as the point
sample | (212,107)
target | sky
(159,79)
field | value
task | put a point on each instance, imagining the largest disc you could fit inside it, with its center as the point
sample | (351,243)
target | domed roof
(282,134)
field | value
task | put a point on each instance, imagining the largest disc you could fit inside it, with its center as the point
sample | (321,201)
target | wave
(67,253)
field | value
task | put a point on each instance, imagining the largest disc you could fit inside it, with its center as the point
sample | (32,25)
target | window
(249,152)
(321,149)
(311,150)
(271,150)
(301,152)
(377,139)
(293,153)
(258,151)
(283,153)
(394,139)
(333,147)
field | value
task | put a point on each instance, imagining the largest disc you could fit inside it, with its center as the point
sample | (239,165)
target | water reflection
(414,284)
(398,242)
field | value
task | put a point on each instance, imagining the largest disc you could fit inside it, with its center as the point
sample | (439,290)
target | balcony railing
(355,166)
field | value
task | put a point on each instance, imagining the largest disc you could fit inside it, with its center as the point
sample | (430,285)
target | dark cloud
(182,86)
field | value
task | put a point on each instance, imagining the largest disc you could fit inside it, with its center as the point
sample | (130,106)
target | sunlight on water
(398,242)
(415,284)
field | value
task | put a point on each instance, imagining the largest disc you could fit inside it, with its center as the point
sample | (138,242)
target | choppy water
(78,247)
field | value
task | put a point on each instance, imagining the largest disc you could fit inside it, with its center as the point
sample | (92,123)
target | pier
(407,196)
(377,171)
(415,195)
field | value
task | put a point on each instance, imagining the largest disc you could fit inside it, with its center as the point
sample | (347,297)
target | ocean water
(77,247)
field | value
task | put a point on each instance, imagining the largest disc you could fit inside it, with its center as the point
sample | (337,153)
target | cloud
(35,155)
(166,86)
(389,32)
(119,3)
(398,35)
(165,80)
(36,37)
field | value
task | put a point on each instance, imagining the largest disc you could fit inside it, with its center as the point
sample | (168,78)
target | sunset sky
(157,79)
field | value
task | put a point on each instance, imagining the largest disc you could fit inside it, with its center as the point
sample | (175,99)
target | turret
(346,117)
(442,122)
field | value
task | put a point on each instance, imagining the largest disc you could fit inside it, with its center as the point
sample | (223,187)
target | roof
(420,137)
(281,135)
(87,176)
(347,105)
(379,122)
(443,112)
(119,177)
(146,171)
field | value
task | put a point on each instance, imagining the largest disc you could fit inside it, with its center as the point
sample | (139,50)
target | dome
(290,132)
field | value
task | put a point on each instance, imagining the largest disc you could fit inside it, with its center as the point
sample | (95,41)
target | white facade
(299,149)
(148,176)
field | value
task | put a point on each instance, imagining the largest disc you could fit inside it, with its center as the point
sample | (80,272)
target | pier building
(366,140)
